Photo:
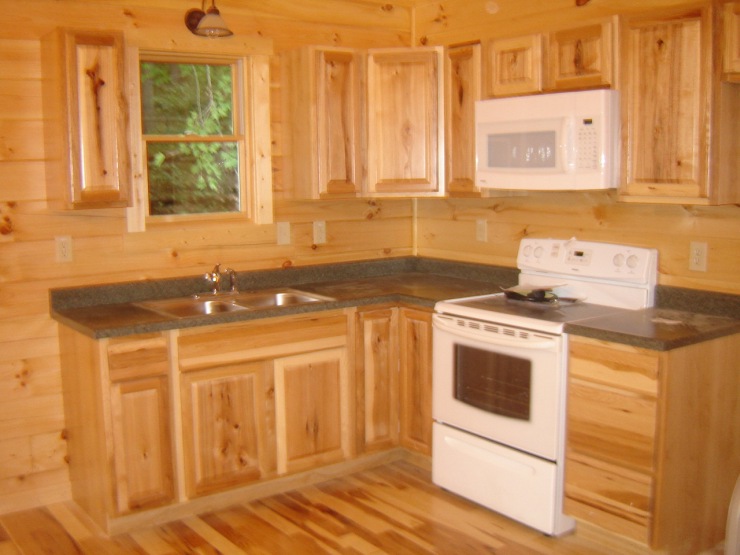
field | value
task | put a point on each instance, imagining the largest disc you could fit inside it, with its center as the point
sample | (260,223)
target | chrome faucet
(232,280)
(214,278)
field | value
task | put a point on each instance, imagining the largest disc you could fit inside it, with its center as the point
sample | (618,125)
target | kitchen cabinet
(562,60)
(313,402)
(363,122)
(376,371)
(86,119)
(324,99)
(581,57)
(118,422)
(405,122)
(415,353)
(732,41)
(652,441)
(679,123)
(514,65)
(224,415)
(263,397)
(462,89)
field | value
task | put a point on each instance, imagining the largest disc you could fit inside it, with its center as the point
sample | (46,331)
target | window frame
(251,96)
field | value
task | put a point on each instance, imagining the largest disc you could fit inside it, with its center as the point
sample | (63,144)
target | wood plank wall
(32,450)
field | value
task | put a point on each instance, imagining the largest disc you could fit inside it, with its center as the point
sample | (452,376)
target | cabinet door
(612,424)
(463,88)
(376,368)
(224,436)
(416,379)
(666,88)
(86,112)
(143,473)
(312,404)
(323,88)
(732,41)
(514,66)
(405,122)
(580,58)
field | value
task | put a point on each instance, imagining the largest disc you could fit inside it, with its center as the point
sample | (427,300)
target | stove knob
(527,250)
(538,252)
(618,260)
(632,261)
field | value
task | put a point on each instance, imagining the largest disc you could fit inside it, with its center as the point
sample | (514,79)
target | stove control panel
(587,259)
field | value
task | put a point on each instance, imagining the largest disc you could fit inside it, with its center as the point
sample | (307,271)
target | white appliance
(560,141)
(500,374)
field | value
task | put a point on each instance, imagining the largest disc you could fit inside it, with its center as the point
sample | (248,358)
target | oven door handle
(526,339)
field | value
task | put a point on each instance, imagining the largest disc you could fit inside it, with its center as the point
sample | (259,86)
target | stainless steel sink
(275,298)
(192,306)
(187,307)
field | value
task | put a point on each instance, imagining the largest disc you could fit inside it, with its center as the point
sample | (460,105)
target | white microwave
(549,142)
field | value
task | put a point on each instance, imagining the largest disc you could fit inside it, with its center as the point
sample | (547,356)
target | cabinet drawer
(615,365)
(138,356)
(609,496)
(612,425)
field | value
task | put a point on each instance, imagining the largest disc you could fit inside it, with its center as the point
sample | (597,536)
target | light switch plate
(283,233)
(319,233)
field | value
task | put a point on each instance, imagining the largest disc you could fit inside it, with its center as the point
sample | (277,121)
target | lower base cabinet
(653,448)
(394,374)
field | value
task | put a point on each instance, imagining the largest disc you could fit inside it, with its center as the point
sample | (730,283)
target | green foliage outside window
(188,126)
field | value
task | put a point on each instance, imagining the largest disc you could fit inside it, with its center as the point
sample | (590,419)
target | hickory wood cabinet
(364,123)
(86,119)
(653,447)
(568,59)
(679,121)
(394,378)
(156,421)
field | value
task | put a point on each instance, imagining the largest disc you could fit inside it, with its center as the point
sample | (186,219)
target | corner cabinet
(679,122)
(653,447)
(86,119)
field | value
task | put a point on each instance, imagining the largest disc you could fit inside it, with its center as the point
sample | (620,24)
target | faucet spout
(214,278)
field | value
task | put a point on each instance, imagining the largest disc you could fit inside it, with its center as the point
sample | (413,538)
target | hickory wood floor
(392,509)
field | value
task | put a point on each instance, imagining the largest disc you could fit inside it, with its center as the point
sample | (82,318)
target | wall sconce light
(207,23)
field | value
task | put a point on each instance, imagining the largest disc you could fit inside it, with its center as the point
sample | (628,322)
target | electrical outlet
(283,233)
(63,245)
(481,231)
(319,233)
(698,256)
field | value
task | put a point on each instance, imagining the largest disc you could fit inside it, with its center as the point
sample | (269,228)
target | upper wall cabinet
(86,113)
(679,123)
(732,41)
(405,122)
(323,100)
(330,95)
(462,89)
(569,59)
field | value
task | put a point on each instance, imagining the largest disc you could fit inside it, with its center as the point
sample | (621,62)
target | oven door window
(494,382)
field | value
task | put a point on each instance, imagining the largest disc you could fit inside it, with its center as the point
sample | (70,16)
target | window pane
(186,99)
(193,178)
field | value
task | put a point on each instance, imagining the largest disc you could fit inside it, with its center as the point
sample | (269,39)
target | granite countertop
(109,310)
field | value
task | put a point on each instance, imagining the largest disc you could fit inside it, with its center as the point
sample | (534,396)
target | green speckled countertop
(680,318)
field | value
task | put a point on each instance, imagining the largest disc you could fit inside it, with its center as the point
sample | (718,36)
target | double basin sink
(220,303)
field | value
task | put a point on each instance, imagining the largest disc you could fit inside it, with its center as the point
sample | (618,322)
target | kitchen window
(200,127)
(193,142)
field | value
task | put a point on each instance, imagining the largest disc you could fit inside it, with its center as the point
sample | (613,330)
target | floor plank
(392,509)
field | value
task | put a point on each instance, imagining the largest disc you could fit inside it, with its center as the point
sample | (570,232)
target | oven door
(500,382)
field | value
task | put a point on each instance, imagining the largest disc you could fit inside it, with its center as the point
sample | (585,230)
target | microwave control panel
(589,147)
